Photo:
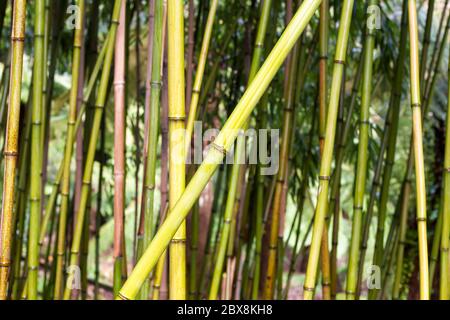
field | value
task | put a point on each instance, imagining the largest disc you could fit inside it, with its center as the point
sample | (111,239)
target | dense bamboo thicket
(235,150)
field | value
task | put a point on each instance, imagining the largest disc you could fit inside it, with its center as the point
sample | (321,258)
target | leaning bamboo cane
(325,167)
(65,179)
(219,148)
(444,293)
(418,151)
(119,146)
(175,46)
(36,151)
(363,154)
(87,175)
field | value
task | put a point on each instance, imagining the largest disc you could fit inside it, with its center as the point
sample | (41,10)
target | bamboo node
(177,118)
(20,39)
(444,249)
(273,247)
(339,61)
(4,264)
(156,84)
(122,297)
(421,219)
(98,106)
(178,241)
(87,183)
(324,178)
(10,154)
(219,148)
(259,45)
(364,122)
(197,91)
(325,57)
(306,288)
(357,208)
(416,105)
(447,170)
(227,221)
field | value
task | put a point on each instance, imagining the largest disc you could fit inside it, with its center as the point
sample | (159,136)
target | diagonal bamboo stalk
(220,147)
(325,167)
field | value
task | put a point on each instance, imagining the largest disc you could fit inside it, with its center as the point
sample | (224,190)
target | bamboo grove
(234,150)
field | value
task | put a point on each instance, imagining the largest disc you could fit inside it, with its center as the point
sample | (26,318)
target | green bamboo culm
(177,175)
(65,177)
(97,117)
(444,293)
(200,72)
(148,193)
(11,143)
(363,154)
(36,151)
(220,147)
(421,204)
(325,166)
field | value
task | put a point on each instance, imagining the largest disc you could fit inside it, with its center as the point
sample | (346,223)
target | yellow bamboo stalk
(177,115)
(11,143)
(421,202)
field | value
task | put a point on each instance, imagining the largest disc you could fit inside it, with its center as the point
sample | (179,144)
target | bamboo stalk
(363,155)
(65,179)
(119,146)
(152,139)
(199,73)
(36,151)
(221,145)
(418,151)
(325,167)
(444,293)
(177,252)
(87,175)
(287,129)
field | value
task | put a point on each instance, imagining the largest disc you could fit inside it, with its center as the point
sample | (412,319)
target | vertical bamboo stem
(325,167)
(418,151)
(177,115)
